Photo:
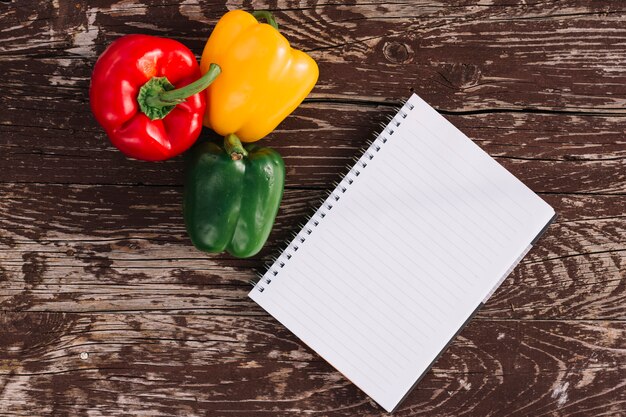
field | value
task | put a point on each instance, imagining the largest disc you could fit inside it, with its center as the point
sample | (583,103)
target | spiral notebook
(412,241)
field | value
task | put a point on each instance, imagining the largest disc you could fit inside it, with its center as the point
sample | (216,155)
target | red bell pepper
(145,93)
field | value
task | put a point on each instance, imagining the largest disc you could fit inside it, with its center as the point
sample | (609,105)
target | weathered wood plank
(165,330)
(550,153)
(500,54)
(49,74)
(189,365)
(121,248)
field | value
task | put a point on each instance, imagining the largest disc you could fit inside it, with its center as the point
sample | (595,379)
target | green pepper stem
(233,147)
(158,96)
(267,15)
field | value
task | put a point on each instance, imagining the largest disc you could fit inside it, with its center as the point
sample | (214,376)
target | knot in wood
(396,52)
(461,76)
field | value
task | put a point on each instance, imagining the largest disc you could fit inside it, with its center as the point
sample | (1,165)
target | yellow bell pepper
(263,79)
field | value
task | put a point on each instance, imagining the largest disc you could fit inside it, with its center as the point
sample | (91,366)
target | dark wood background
(107,310)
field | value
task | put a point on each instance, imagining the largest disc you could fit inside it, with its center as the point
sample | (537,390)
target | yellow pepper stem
(267,15)
(233,147)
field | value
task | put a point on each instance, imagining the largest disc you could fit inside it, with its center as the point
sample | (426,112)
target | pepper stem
(158,96)
(233,147)
(267,15)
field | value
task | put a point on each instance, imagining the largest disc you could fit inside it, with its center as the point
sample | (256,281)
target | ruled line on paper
(449,126)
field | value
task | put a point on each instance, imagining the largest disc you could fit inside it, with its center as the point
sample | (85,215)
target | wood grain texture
(59,257)
(191,365)
(107,310)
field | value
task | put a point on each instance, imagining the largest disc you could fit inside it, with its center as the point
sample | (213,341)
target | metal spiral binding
(327,204)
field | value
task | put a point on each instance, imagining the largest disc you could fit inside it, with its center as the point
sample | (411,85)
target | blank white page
(411,242)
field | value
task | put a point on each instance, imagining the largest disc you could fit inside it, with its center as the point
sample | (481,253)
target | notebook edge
(545,228)
(469,318)
(446,346)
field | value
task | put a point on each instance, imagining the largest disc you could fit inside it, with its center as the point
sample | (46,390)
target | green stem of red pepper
(264,14)
(158,96)
(233,147)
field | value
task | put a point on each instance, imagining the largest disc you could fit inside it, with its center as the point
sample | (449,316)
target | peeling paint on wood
(107,310)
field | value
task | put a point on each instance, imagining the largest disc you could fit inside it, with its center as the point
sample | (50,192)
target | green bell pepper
(231,196)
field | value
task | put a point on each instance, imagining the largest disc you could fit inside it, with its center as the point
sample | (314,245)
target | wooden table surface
(107,310)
